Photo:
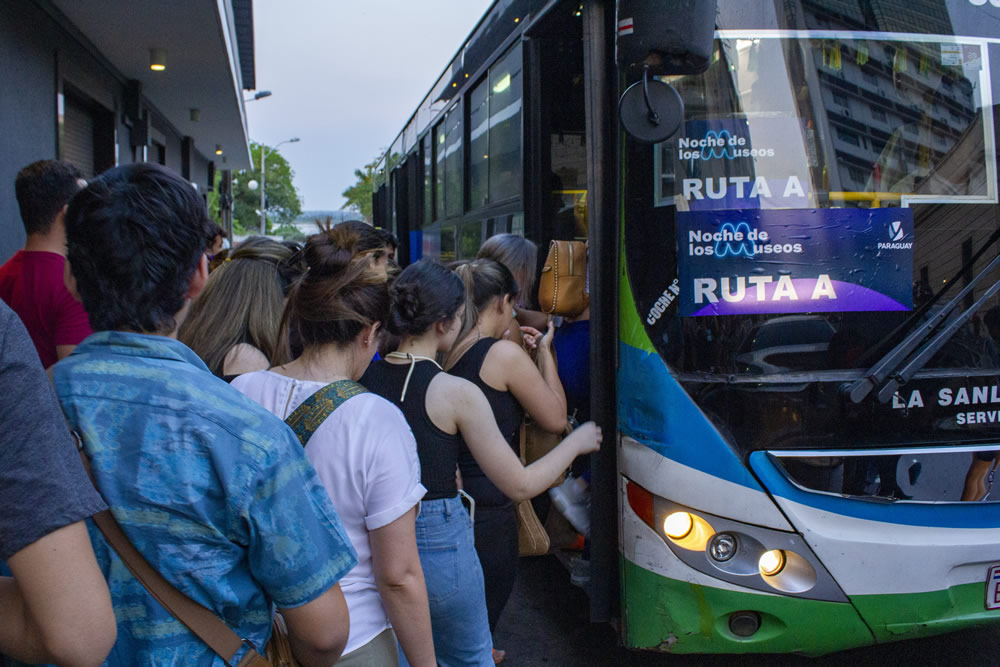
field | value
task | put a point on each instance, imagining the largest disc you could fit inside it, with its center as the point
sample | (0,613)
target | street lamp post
(263,180)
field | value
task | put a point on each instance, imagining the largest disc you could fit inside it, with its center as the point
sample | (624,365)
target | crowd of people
(306,431)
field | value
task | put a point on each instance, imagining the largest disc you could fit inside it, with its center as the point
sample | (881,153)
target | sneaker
(579,573)
(577,512)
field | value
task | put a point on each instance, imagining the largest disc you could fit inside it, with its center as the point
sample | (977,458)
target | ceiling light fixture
(157,59)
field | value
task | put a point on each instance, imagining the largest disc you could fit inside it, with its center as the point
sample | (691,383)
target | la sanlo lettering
(947,396)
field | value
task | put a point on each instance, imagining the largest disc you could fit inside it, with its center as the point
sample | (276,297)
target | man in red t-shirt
(31,282)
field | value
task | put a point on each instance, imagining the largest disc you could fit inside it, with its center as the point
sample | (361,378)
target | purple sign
(755,261)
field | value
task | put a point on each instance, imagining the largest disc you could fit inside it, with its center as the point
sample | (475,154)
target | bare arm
(317,631)
(532,318)
(63,351)
(57,607)
(475,421)
(400,581)
(536,388)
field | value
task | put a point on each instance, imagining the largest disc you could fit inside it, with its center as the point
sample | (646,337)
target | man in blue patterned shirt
(214,490)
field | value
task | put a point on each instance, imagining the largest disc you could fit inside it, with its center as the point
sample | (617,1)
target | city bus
(793,225)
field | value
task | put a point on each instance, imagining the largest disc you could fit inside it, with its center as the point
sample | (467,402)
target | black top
(506,410)
(437,450)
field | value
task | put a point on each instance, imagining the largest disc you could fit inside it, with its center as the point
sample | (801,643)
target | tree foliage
(359,195)
(282,199)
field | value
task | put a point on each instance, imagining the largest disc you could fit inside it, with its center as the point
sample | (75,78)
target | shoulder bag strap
(313,411)
(202,622)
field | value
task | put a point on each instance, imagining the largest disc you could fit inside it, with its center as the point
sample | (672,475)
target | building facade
(80,85)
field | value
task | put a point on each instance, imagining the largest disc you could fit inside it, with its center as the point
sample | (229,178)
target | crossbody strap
(201,621)
(313,411)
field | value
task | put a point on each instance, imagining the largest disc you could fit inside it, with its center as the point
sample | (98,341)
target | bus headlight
(678,525)
(688,531)
(771,562)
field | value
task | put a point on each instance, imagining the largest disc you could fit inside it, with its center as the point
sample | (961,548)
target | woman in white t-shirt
(359,443)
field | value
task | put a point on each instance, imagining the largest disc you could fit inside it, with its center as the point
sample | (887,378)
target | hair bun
(329,253)
(406,301)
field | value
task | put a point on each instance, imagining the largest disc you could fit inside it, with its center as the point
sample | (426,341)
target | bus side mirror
(660,41)
(668,37)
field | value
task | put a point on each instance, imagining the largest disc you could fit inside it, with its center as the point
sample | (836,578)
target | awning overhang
(203,69)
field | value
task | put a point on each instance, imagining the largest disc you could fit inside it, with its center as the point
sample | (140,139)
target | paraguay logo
(896,235)
(896,231)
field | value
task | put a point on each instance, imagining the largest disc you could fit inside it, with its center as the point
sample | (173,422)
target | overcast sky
(345,77)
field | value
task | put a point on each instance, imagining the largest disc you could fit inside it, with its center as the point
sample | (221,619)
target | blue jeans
(455,590)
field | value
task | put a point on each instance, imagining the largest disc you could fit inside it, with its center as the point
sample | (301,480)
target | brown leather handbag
(562,288)
(532,540)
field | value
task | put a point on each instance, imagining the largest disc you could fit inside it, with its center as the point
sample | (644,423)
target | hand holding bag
(562,287)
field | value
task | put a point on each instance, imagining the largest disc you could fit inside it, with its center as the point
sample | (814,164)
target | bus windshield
(831,188)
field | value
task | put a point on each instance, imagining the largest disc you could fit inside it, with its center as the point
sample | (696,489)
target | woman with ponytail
(359,444)
(447,415)
(513,384)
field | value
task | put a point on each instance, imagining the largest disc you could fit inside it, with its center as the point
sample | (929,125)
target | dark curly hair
(42,189)
(135,236)
(423,294)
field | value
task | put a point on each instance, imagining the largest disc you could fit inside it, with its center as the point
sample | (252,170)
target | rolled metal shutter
(78,136)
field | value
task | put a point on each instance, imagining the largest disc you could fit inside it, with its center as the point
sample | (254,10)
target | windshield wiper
(932,346)
(887,366)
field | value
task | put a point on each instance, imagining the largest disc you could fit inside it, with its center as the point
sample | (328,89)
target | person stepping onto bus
(520,256)
(363,450)
(513,384)
(212,489)
(447,413)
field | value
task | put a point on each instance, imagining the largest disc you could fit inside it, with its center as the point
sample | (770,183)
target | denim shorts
(455,590)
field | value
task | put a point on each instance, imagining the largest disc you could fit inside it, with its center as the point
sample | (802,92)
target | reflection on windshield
(780,130)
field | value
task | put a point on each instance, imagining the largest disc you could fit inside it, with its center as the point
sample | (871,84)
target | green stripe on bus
(630,328)
(912,615)
(679,617)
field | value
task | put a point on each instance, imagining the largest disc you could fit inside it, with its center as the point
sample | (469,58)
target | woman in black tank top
(448,414)
(513,384)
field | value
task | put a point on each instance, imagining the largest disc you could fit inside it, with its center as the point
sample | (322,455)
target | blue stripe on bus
(653,409)
(944,515)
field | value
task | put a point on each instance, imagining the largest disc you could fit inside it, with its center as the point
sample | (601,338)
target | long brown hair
(242,303)
(485,280)
(520,256)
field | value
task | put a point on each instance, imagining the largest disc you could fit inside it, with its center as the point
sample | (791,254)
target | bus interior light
(772,562)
